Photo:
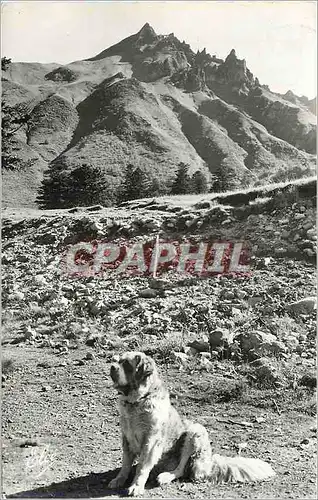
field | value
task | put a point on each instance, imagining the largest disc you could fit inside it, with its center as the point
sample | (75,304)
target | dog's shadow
(96,485)
(90,486)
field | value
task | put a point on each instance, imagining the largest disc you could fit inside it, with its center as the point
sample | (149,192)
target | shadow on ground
(90,486)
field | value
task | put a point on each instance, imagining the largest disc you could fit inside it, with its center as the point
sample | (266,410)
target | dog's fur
(154,431)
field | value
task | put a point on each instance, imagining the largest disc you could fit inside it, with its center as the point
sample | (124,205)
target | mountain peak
(147,31)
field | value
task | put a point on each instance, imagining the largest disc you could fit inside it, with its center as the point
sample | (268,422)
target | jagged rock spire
(231,56)
(147,30)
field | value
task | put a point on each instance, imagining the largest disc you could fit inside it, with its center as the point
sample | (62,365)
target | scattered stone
(40,280)
(44,364)
(303,306)
(199,346)
(219,338)
(63,301)
(46,388)
(256,343)
(308,380)
(89,356)
(307,225)
(280,251)
(285,234)
(311,232)
(79,362)
(97,308)
(158,284)
(18,296)
(202,205)
(309,252)
(180,357)
(25,443)
(260,420)
(148,293)
(22,258)
(305,441)
(252,301)
(206,355)
(29,333)
(205,363)
(93,338)
(302,338)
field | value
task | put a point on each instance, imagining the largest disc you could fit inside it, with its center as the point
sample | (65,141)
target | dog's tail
(238,469)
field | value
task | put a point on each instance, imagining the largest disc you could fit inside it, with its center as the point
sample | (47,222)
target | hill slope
(151,101)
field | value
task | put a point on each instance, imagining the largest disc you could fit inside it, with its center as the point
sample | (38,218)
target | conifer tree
(199,183)
(225,180)
(83,186)
(182,182)
(133,185)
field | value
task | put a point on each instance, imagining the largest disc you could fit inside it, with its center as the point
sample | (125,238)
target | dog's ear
(144,367)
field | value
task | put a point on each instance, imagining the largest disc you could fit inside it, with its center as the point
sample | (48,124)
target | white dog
(153,431)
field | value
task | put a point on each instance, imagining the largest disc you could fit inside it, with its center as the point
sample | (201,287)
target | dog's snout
(114,373)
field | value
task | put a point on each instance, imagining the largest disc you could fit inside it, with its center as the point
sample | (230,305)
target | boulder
(256,343)
(199,345)
(219,338)
(303,306)
(308,380)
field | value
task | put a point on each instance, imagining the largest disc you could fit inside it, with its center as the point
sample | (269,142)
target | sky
(277,39)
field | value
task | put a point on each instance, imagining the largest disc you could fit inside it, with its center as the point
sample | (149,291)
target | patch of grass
(301,399)
(285,326)
(175,342)
(234,392)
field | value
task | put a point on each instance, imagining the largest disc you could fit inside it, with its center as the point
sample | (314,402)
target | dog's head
(132,374)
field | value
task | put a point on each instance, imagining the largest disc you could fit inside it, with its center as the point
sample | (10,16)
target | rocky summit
(151,101)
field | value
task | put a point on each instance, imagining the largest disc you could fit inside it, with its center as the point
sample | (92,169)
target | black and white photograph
(158,295)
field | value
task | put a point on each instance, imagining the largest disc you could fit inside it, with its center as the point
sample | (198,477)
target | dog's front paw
(135,490)
(165,478)
(117,482)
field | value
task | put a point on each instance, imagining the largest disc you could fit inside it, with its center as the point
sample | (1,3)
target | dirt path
(66,408)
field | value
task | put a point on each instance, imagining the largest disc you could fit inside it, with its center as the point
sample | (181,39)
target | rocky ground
(237,352)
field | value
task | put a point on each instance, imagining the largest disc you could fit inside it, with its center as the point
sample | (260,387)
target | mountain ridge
(151,101)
